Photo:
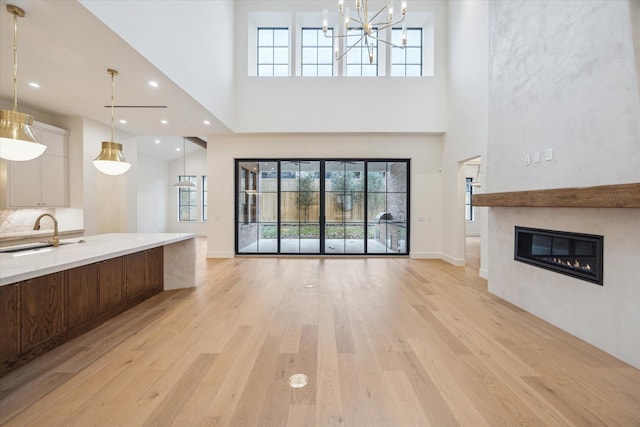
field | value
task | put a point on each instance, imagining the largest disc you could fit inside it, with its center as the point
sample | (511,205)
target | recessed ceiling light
(157,141)
(153,83)
(34,84)
(178,149)
(124,122)
(207,122)
(164,122)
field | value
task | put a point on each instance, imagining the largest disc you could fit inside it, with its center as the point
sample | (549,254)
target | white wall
(152,195)
(467,128)
(425,153)
(338,104)
(200,60)
(195,164)
(563,76)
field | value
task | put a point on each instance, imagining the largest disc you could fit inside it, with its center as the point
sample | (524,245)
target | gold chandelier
(111,161)
(17,141)
(367,24)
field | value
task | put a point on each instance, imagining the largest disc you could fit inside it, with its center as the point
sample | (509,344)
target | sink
(27,247)
(34,247)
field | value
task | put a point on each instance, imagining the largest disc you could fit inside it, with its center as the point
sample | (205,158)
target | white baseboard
(483,273)
(437,255)
(425,255)
(213,254)
(451,260)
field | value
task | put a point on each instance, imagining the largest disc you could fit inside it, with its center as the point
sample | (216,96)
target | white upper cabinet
(41,182)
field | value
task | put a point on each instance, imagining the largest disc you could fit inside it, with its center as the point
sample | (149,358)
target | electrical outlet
(548,154)
(527,159)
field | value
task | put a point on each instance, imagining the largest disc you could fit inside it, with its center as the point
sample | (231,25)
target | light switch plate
(536,157)
(527,159)
(548,154)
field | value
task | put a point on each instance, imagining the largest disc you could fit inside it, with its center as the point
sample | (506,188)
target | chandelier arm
(384,25)
(362,20)
(349,48)
(388,43)
(379,12)
(339,36)
(351,18)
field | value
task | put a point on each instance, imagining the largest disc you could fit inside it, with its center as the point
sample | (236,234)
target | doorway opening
(472,215)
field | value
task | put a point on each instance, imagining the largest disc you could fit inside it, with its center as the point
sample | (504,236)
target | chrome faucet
(56,240)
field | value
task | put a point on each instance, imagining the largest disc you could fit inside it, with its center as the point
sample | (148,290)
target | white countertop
(19,266)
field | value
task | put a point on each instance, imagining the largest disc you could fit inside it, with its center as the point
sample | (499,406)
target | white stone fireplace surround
(606,316)
(564,92)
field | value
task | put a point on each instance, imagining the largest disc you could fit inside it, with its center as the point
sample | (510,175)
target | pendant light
(17,141)
(183,182)
(111,161)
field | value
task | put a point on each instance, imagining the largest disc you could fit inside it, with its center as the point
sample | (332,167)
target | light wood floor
(383,341)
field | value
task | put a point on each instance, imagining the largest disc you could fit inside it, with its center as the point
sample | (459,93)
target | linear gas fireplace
(573,254)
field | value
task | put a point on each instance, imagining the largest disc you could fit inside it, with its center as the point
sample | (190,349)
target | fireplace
(573,254)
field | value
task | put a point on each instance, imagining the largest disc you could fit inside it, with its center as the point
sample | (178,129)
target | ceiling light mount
(17,141)
(111,160)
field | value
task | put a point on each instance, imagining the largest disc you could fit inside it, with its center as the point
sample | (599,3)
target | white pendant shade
(19,150)
(111,161)
(185,184)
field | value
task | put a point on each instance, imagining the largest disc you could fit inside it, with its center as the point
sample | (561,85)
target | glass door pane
(387,207)
(300,206)
(257,207)
(344,207)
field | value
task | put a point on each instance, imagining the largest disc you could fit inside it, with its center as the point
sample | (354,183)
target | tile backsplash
(22,220)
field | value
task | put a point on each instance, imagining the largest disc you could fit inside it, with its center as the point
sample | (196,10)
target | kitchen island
(49,295)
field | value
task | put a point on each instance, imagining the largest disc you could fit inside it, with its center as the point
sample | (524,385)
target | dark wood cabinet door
(111,290)
(136,277)
(42,302)
(9,322)
(82,301)
(155,269)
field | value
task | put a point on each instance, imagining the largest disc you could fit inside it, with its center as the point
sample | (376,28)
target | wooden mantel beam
(602,196)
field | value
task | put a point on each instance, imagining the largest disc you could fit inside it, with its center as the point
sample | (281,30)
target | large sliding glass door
(322,206)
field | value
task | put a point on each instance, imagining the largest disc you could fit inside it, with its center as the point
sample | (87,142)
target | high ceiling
(67,51)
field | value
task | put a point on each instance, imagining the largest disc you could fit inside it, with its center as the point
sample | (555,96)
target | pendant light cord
(184,159)
(15,62)
(112,72)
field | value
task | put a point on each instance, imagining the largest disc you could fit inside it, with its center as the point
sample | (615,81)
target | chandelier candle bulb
(340,5)
(404,8)
(325,21)
(346,18)
(358,4)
